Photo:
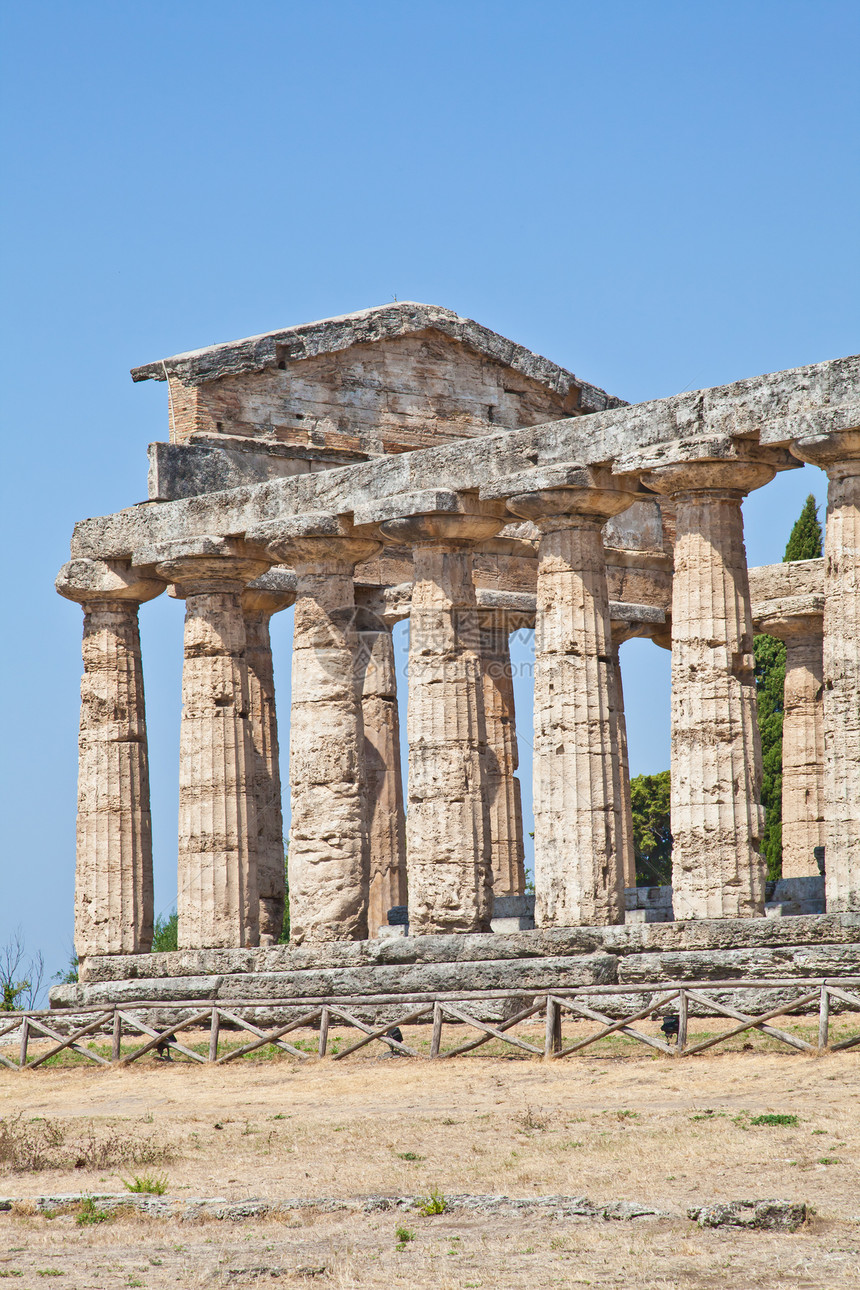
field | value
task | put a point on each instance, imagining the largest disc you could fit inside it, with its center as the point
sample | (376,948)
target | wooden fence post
(214,1032)
(25,1039)
(436,1039)
(824,1019)
(116,1037)
(552,1038)
(681,1043)
(324,1024)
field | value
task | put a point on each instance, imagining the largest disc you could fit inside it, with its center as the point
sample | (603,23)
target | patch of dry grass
(667,1133)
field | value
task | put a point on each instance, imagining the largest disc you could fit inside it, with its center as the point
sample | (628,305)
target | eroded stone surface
(717,819)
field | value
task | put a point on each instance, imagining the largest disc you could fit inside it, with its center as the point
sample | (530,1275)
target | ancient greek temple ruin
(404,462)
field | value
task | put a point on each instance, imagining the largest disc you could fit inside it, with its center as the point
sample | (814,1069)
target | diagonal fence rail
(675,1003)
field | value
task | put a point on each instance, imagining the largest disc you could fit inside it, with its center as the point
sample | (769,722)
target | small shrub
(147,1184)
(435,1203)
(828,1160)
(89,1213)
(404,1236)
(28,1146)
(530,1121)
(408,1155)
(776,1121)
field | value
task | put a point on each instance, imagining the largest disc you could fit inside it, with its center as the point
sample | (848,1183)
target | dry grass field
(619,1124)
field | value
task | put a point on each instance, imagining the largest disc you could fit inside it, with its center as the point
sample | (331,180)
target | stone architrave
(798,623)
(839,454)
(265,596)
(717,818)
(577,798)
(217,901)
(113,877)
(447,822)
(328,859)
(507,852)
(383,779)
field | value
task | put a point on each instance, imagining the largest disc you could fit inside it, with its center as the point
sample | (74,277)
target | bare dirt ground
(651,1130)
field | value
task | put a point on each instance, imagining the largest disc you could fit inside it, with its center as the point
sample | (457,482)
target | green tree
(652,837)
(804,543)
(769,683)
(166,934)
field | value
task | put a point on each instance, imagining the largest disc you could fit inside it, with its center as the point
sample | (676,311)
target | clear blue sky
(658,195)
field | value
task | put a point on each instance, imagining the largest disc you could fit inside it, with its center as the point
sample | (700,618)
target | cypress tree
(805,543)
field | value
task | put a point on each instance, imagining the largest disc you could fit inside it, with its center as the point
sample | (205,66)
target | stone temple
(404,462)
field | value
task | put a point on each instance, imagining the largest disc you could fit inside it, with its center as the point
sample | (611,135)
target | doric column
(717,818)
(839,455)
(447,823)
(383,779)
(504,802)
(217,902)
(577,806)
(328,836)
(113,878)
(799,624)
(266,595)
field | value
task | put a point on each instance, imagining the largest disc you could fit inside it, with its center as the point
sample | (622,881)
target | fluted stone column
(447,823)
(839,455)
(113,878)
(218,902)
(717,819)
(383,780)
(265,596)
(803,811)
(502,758)
(328,858)
(577,800)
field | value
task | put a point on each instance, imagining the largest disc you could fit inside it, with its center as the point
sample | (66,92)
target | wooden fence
(677,1002)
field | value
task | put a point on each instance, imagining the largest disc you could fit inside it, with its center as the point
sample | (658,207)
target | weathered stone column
(218,903)
(328,835)
(504,800)
(447,823)
(799,625)
(717,819)
(267,595)
(577,806)
(383,779)
(113,879)
(839,455)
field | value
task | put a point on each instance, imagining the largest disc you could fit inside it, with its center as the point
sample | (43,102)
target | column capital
(732,477)
(271,592)
(556,496)
(203,565)
(315,538)
(838,452)
(791,618)
(439,517)
(113,580)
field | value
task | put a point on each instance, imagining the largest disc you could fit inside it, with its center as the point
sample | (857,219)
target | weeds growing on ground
(147,1184)
(404,1236)
(28,1146)
(89,1213)
(776,1121)
(435,1203)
